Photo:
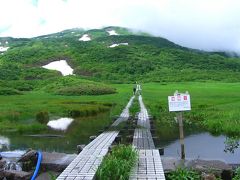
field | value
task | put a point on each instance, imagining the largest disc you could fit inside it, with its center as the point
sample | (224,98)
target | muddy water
(78,132)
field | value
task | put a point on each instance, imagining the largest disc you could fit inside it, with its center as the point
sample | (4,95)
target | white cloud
(203,24)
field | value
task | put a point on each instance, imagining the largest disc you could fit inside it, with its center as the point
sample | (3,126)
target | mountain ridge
(142,57)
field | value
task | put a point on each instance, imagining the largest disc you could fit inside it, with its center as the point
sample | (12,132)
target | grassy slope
(146,58)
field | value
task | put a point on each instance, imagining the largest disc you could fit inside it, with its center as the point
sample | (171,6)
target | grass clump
(42,117)
(135,106)
(183,173)
(73,86)
(118,164)
(85,89)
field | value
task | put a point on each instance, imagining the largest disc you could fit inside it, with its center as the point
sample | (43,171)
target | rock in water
(56,161)
(16,175)
(30,155)
(2,163)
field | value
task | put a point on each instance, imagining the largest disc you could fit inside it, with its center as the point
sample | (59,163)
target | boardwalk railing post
(180,121)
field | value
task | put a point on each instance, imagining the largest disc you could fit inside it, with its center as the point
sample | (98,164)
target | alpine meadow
(98,68)
(87,77)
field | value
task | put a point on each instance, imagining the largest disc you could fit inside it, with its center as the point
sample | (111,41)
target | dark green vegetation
(118,164)
(182,173)
(146,58)
(75,86)
(237,174)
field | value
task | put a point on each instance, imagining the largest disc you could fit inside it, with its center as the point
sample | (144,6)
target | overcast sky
(201,24)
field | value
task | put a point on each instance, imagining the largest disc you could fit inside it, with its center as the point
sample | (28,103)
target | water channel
(78,132)
(198,144)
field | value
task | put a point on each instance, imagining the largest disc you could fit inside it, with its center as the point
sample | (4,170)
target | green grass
(118,164)
(183,173)
(18,112)
(135,107)
(215,106)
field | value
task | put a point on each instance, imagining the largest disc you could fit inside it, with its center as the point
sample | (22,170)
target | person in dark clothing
(134,88)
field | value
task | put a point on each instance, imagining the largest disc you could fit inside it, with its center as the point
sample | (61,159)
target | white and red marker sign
(179,102)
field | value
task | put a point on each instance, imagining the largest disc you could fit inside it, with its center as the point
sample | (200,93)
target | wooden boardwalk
(149,165)
(125,113)
(142,139)
(85,165)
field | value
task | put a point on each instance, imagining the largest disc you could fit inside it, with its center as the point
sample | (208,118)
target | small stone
(80,147)
(91,138)
(208,177)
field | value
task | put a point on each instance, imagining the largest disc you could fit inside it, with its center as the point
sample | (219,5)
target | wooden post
(180,121)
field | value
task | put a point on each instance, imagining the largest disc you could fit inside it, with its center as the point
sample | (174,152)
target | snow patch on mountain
(85,37)
(115,45)
(2,49)
(61,66)
(112,33)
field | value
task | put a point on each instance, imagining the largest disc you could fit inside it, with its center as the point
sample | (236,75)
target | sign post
(180,121)
(180,102)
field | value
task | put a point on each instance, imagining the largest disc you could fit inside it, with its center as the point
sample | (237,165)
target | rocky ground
(54,163)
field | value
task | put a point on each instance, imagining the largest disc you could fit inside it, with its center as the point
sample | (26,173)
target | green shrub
(237,174)
(183,174)
(85,89)
(9,91)
(73,86)
(25,87)
(42,117)
(118,164)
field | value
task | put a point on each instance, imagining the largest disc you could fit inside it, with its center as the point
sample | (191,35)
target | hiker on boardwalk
(134,88)
(139,89)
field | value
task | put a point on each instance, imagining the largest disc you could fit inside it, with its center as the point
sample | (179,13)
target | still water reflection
(60,124)
(204,146)
(78,132)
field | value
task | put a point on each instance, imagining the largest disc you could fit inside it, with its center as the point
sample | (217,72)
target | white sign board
(179,102)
